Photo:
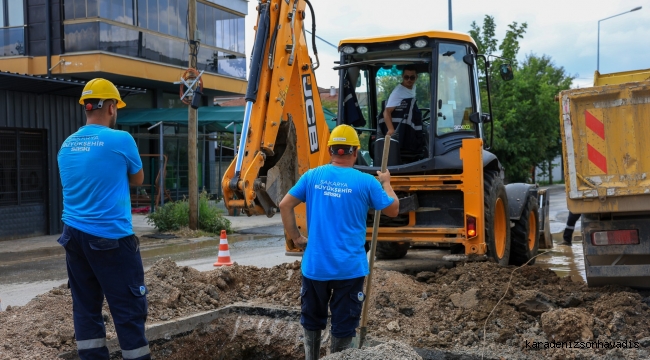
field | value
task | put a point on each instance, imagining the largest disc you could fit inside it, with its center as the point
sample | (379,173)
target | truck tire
(389,250)
(497,220)
(525,234)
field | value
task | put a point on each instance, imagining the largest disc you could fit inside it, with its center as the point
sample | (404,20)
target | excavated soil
(236,337)
(441,311)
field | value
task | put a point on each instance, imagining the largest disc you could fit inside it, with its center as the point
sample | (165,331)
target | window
(116,10)
(388,77)
(15,14)
(22,167)
(221,33)
(12,31)
(454,90)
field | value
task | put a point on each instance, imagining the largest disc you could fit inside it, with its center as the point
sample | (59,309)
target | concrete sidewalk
(47,245)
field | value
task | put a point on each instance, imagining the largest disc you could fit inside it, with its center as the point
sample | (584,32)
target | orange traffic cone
(224,254)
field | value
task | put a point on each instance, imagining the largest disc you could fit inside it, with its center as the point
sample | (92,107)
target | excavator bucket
(281,170)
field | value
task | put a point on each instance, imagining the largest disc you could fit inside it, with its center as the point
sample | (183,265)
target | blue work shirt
(337,200)
(93,164)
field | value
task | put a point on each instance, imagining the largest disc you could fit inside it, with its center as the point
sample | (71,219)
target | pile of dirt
(389,350)
(448,310)
(43,327)
(444,310)
(179,291)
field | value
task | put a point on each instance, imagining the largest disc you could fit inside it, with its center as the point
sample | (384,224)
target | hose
(313,34)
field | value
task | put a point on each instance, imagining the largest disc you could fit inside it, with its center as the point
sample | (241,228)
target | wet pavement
(564,260)
(21,281)
(25,274)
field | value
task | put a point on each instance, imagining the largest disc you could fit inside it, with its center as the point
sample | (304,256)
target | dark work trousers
(570,226)
(345,299)
(98,267)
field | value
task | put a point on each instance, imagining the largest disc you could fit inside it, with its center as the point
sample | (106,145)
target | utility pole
(450,26)
(192,159)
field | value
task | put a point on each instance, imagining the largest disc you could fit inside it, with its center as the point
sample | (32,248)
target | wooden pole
(373,247)
(192,160)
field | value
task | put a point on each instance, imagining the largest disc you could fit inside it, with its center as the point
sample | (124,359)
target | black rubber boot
(312,344)
(567,236)
(339,344)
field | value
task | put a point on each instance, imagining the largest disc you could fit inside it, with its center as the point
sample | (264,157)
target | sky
(564,30)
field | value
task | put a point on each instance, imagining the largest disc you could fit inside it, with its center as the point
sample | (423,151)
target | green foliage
(175,215)
(331,105)
(210,217)
(526,125)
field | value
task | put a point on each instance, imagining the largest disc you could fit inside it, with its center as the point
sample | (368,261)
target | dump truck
(450,185)
(606,163)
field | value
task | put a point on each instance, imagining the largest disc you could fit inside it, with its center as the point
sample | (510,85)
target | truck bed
(605,145)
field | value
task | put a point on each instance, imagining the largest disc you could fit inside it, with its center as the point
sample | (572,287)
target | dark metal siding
(60,116)
(37,26)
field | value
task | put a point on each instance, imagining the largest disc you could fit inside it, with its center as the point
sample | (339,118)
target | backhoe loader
(450,186)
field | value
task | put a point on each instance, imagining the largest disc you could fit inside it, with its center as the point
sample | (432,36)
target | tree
(525,115)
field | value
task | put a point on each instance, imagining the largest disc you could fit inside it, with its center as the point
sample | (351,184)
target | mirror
(486,118)
(475,117)
(468,59)
(506,72)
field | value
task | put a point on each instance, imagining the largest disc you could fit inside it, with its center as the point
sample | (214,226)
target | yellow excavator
(450,186)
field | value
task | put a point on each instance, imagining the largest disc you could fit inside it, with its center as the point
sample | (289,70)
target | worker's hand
(390,132)
(300,242)
(383,177)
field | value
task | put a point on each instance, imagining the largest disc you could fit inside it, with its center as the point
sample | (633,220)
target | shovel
(373,246)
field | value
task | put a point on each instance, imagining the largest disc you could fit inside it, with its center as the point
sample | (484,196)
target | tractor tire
(389,250)
(497,218)
(525,234)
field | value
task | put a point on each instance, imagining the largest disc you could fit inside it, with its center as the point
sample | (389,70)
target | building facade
(137,44)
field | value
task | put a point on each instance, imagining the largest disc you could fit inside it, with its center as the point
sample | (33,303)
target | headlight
(420,43)
(362,49)
(404,46)
(348,50)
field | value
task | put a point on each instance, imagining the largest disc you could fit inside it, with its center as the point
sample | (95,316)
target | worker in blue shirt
(334,263)
(96,164)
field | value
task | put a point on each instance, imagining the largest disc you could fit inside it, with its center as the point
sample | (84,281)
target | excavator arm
(284,132)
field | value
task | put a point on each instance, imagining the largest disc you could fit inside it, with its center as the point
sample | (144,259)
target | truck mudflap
(617,264)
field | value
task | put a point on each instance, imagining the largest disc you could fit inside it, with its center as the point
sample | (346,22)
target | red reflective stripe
(595,125)
(597,158)
(223,247)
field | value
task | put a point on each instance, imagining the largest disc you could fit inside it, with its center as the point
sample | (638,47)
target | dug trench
(245,312)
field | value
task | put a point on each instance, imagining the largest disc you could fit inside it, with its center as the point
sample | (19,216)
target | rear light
(615,237)
(471,226)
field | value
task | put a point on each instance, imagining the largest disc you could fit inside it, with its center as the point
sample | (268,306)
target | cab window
(454,101)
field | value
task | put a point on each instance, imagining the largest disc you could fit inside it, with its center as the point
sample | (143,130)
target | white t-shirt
(400,93)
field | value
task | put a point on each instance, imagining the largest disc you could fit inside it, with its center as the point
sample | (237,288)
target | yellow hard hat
(101,89)
(344,135)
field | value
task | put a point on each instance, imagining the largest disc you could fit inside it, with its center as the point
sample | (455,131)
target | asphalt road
(263,247)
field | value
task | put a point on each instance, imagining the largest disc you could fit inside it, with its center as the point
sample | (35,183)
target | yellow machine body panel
(433,34)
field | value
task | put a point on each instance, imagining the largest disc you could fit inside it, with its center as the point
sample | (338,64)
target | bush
(175,215)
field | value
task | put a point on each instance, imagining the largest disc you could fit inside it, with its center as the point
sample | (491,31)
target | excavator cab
(432,117)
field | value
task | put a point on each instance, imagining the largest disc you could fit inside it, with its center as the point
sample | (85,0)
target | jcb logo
(311,113)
